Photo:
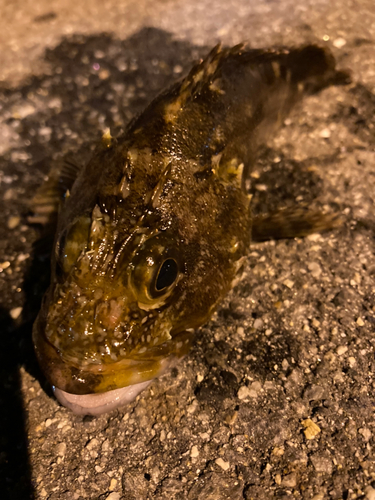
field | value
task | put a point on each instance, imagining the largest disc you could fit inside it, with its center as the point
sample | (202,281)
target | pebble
(314,393)
(4,265)
(61,449)
(370,493)
(258,323)
(13,222)
(92,444)
(325,133)
(366,433)
(290,480)
(113,496)
(360,322)
(319,496)
(321,463)
(113,484)
(255,386)
(288,283)
(339,42)
(243,392)
(278,452)
(352,361)
(15,313)
(221,463)
(311,429)
(315,269)
(341,350)
(194,452)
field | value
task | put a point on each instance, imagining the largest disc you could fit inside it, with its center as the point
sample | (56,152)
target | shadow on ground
(92,83)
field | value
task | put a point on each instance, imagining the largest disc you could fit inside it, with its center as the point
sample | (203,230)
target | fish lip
(101,378)
(97,404)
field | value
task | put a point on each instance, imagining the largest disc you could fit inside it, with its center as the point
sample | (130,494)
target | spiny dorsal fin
(45,205)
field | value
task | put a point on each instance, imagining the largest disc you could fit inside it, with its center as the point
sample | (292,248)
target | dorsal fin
(45,205)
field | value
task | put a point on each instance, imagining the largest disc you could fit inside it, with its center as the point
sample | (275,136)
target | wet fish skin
(158,223)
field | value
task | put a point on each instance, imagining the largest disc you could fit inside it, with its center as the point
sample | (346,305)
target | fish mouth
(133,373)
(97,404)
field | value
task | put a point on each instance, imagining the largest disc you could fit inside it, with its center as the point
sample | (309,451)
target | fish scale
(155,228)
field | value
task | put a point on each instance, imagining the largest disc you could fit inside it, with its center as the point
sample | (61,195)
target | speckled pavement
(276,399)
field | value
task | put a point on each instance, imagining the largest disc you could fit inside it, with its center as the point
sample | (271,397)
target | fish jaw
(93,379)
(100,403)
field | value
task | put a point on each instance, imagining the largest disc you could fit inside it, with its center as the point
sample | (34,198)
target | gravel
(276,399)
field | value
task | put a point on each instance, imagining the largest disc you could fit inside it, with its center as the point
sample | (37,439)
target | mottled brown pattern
(173,187)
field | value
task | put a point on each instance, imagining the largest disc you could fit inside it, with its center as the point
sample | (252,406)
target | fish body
(157,225)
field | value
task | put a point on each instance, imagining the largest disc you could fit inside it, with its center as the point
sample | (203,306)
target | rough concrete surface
(276,399)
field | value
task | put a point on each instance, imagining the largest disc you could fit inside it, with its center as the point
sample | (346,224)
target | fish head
(109,318)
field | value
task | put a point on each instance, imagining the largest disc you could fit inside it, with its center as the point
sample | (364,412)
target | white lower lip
(97,404)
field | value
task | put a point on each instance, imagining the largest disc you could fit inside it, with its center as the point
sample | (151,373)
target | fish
(153,231)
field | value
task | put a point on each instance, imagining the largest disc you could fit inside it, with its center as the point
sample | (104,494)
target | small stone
(339,42)
(278,479)
(22,257)
(360,322)
(221,463)
(325,133)
(261,187)
(321,463)
(315,323)
(288,283)
(278,452)
(315,269)
(13,222)
(290,480)
(92,444)
(341,350)
(61,449)
(352,361)
(243,392)
(255,387)
(194,452)
(311,429)
(370,493)
(113,484)
(319,496)
(366,433)
(258,323)
(4,265)
(104,74)
(113,496)
(15,313)
(314,393)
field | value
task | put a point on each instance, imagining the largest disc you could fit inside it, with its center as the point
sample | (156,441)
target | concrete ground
(276,399)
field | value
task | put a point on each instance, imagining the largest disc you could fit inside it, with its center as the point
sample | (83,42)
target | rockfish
(155,228)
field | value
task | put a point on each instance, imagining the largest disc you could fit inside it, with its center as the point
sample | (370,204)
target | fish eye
(155,271)
(167,275)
